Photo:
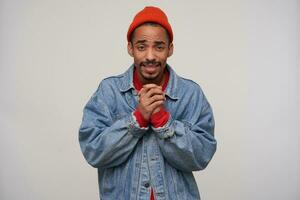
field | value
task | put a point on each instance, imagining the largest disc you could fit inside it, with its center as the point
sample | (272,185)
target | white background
(244,54)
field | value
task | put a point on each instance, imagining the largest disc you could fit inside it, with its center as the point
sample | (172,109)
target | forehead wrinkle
(155,42)
(140,41)
(146,38)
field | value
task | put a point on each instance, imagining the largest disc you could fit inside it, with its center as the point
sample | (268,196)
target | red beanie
(150,14)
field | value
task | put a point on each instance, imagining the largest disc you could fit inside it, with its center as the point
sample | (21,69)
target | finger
(146,101)
(141,92)
(151,85)
(154,91)
(155,98)
(150,92)
(147,87)
(156,104)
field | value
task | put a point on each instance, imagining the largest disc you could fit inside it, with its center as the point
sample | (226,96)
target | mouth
(150,68)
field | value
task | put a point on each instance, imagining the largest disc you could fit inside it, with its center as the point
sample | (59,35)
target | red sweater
(158,119)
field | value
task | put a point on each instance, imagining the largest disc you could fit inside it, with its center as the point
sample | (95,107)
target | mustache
(150,62)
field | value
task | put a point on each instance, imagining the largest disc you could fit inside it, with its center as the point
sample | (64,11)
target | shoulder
(111,79)
(189,86)
(114,82)
(189,82)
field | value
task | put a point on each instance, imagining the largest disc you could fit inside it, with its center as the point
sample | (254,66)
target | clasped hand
(151,99)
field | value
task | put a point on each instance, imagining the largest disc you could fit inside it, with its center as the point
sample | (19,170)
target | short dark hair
(150,24)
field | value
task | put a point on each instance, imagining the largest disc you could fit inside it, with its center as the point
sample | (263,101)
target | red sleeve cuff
(140,119)
(160,118)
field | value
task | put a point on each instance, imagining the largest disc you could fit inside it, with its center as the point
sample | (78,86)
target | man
(147,129)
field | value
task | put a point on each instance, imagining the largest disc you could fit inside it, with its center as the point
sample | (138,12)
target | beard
(151,71)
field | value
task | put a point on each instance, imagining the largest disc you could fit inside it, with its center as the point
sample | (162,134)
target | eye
(160,48)
(141,47)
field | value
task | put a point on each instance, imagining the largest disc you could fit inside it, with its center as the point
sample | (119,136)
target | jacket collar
(171,89)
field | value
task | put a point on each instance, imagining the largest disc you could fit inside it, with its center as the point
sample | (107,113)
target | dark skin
(150,49)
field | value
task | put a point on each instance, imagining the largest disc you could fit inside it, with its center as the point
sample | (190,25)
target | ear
(171,47)
(130,49)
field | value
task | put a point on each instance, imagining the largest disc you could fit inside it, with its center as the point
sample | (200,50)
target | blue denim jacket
(130,160)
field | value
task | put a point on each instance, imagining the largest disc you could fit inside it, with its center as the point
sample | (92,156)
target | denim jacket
(130,160)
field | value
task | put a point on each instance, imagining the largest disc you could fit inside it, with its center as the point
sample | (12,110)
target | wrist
(140,118)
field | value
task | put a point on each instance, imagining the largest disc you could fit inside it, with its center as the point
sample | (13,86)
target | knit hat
(150,14)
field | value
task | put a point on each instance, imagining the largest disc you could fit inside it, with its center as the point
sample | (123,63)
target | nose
(150,56)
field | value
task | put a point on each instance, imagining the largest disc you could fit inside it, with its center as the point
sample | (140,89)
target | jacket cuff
(134,128)
(160,118)
(166,131)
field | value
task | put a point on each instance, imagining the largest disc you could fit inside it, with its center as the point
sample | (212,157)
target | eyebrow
(144,41)
(159,42)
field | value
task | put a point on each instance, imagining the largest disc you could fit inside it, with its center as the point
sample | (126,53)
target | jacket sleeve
(106,142)
(189,145)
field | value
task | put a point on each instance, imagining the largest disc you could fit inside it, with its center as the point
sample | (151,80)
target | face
(150,49)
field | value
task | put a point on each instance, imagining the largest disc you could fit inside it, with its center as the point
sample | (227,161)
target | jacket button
(147,185)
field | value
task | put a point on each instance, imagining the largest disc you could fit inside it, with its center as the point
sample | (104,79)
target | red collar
(138,85)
